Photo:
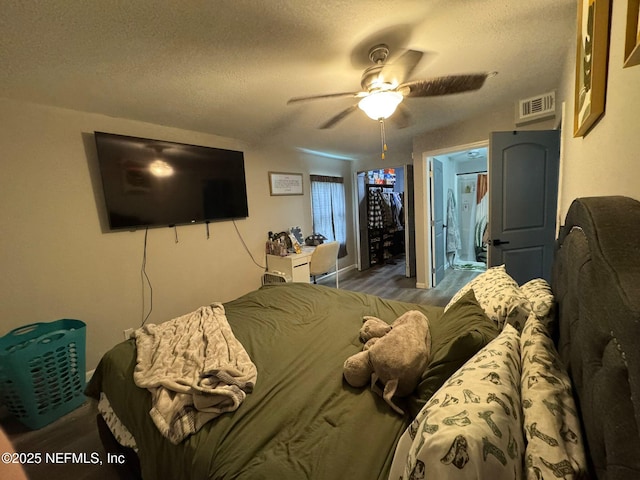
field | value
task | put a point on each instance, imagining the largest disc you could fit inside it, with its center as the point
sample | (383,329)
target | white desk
(294,265)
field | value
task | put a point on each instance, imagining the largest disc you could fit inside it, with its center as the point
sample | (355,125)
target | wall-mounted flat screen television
(153,183)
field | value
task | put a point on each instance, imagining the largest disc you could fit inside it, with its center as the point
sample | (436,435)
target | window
(328,207)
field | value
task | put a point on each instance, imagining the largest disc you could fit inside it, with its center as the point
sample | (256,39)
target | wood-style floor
(389,281)
(75,433)
(78,433)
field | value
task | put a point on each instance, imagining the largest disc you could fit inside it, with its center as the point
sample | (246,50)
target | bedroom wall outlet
(128,333)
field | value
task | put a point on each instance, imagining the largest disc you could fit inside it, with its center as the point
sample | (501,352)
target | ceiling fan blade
(400,69)
(443,85)
(333,120)
(330,95)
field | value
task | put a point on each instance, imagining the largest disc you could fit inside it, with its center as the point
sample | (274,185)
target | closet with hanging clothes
(385,219)
(386,223)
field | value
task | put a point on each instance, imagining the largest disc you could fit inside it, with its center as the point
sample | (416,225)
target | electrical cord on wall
(145,279)
(245,246)
(146,282)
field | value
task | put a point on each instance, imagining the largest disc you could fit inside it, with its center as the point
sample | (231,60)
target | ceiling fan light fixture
(380,104)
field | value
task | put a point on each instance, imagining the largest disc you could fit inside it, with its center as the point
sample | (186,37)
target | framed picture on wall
(591,64)
(632,35)
(281,183)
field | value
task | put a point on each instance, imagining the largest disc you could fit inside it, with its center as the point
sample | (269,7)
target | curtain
(329,210)
(482,210)
(483,187)
(454,243)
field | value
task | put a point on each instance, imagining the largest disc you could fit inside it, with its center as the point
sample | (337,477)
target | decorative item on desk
(277,247)
(277,244)
(284,238)
(293,242)
(297,233)
(315,240)
(269,244)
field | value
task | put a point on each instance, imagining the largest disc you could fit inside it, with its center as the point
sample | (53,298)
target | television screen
(153,183)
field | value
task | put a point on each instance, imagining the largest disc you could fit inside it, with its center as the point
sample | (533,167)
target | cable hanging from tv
(146,282)
(175,232)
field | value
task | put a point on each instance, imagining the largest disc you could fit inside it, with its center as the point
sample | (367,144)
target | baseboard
(340,272)
(422,285)
(333,274)
(346,269)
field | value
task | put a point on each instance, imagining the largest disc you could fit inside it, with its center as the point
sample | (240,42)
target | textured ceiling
(229,67)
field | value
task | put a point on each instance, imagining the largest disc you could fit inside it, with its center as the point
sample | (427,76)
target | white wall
(57,262)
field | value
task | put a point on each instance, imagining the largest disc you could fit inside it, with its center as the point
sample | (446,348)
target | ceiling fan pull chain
(382,138)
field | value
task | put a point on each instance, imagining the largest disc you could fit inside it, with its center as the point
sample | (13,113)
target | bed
(596,281)
(492,350)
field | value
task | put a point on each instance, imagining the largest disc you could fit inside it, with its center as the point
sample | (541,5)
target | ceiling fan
(385,87)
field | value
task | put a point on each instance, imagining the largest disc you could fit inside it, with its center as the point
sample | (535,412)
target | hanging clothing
(374,209)
(453,231)
(385,209)
(482,187)
(482,212)
(397,210)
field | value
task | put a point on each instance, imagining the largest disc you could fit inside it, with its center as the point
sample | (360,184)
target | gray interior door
(363,232)
(523,197)
(437,221)
(409,223)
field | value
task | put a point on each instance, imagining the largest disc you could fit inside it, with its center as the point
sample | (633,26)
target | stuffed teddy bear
(394,355)
(373,327)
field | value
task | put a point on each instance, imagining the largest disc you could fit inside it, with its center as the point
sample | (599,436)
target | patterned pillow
(500,297)
(542,301)
(552,428)
(471,428)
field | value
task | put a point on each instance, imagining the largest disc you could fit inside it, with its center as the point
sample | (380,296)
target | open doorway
(386,226)
(464,201)
(471,203)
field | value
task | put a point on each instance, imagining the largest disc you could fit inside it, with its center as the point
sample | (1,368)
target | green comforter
(301,420)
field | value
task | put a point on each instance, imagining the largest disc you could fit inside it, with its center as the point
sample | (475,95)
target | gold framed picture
(281,183)
(591,64)
(632,35)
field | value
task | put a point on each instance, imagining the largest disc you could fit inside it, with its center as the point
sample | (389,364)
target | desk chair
(323,258)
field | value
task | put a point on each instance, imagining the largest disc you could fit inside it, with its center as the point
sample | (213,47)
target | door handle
(497,242)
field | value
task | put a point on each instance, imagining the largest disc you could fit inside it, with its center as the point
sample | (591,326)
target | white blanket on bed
(194,368)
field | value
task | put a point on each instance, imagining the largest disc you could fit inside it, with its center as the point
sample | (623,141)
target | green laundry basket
(42,371)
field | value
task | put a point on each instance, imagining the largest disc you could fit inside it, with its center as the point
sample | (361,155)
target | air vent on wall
(535,108)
